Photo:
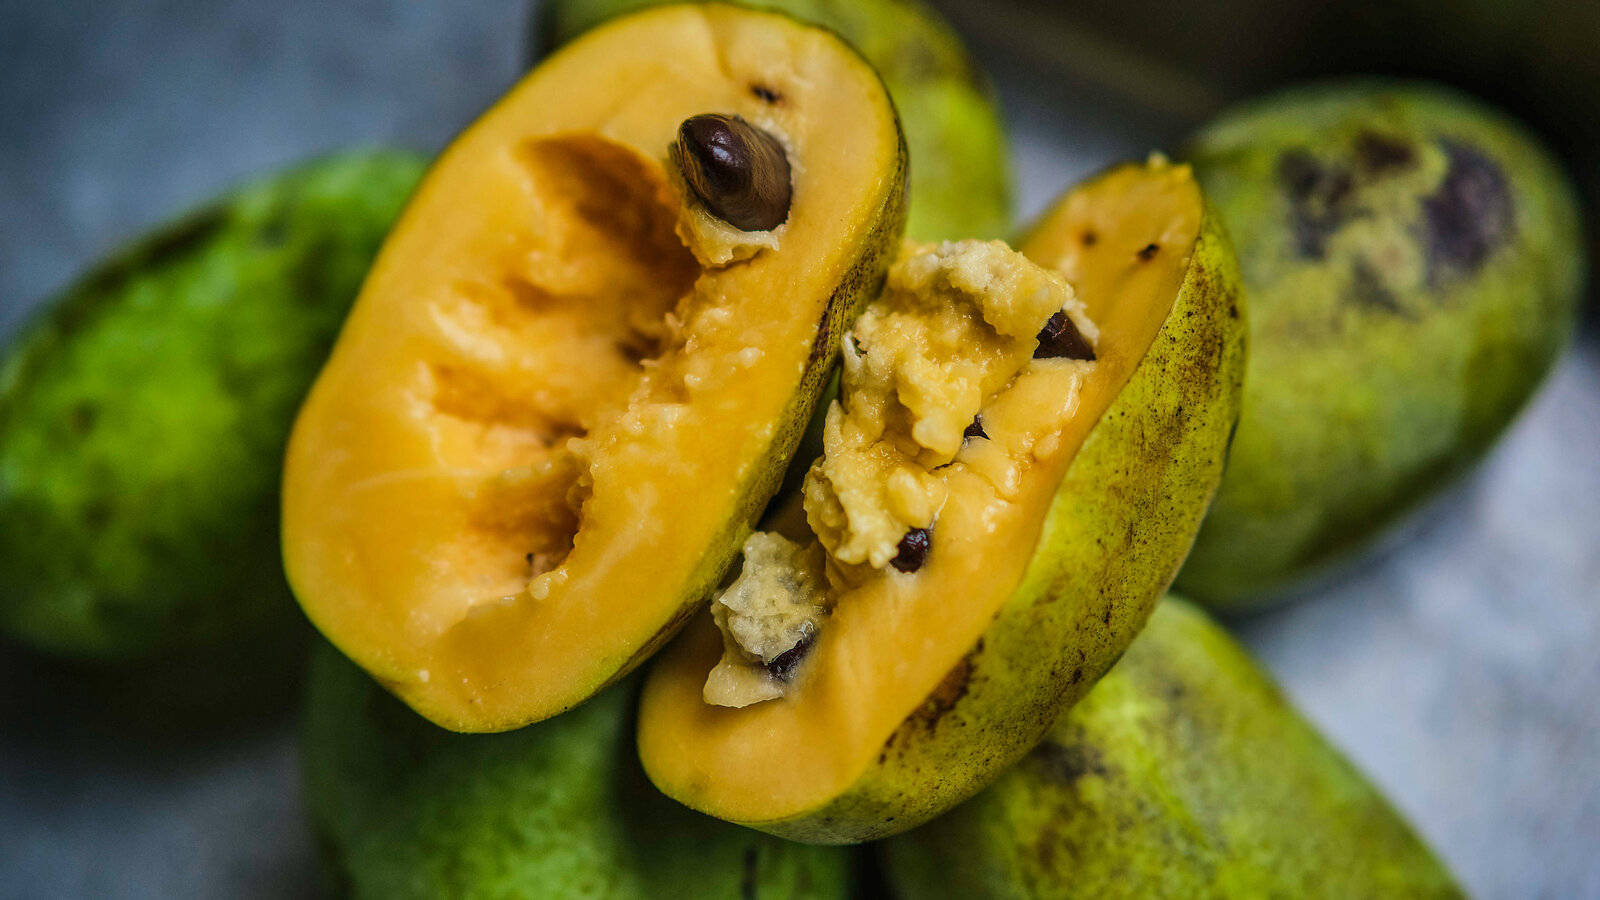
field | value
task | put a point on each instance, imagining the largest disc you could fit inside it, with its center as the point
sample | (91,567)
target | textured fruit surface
(960,183)
(928,677)
(1184,773)
(568,387)
(143,415)
(559,809)
(1414,263)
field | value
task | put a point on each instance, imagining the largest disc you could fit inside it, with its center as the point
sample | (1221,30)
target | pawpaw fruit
(584,356)
(143,416)
(558,809)
(961,183)
(1015,470)
(1184,773)
(1414,263)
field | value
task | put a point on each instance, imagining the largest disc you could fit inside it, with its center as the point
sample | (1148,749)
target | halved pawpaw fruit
(583,357)
(995,514)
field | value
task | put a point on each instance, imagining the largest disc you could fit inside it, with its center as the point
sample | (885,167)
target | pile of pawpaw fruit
(699,499)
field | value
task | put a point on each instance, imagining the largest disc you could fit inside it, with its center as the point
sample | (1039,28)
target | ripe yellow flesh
(891,641)
(537,361)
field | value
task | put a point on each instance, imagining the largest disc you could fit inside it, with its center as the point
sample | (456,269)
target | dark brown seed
(765,94)
(1089,238)
(783,665)
(975,429)
(1060,339)
(913,550)
(737,171)
(1149,252)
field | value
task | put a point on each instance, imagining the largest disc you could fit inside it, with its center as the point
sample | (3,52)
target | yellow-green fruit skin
(559,809)
(960,180)
(1184,773)
(1119,526)
(143,416)
(1414,263)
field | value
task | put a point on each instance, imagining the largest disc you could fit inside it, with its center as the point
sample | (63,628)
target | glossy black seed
(1148,252)
(1060,339)
(737,171)
(975,430)
(783,665)
(913,550)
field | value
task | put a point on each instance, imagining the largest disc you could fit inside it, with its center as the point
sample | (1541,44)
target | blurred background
(1456,665)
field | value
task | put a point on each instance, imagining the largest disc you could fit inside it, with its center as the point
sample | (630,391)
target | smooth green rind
(1115,534)
(143,415)
(559,809)
(1414,263)
(1184,773)
(960,183)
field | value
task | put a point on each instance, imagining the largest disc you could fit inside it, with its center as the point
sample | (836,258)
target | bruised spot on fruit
(1382,154)
(1316,199)
(975,430)
(913,550)
(750,876)
(1368,289)
(1070,762)
(1061,339)
(739,172)
(1469,215)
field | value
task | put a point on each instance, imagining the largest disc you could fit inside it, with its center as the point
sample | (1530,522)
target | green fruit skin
(1184,773)
(1414,264)
(143,415)
(961,178)
(1116,532)
(558,809)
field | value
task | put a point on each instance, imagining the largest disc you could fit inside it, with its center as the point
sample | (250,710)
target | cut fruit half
(572,380)
(1014,472)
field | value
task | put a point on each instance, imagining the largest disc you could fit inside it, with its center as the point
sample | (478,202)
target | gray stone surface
(1458,666)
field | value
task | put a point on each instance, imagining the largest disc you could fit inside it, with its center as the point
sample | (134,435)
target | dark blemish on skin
(1089,238)
(748,878)
(913,550)
(765,94)
(783,665)
(975,430)
(1072,762)
(529,558)
(1469,215)
(1367,289)
(1381,153)
(1316,194)
(1148,252)
(1077,674)
(82,418)
(949,692)
(1060,339)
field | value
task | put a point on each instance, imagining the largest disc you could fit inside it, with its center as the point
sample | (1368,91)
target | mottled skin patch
(1184,773)
(143,416)
(405,809)
(1414,265)
(1117,529)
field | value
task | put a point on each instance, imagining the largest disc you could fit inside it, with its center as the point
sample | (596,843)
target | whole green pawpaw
(1184,773)
(143,415)
(960,182)
(556,809)
(1414,263)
